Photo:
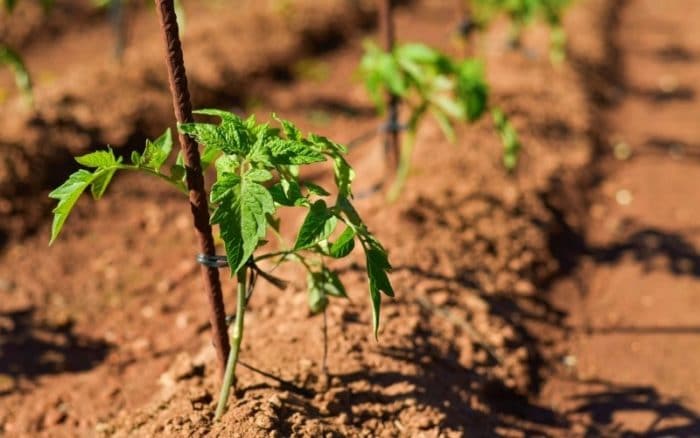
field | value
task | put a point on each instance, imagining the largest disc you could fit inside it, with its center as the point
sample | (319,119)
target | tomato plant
(429,82)
(13,60)
(523,13)
(257,173)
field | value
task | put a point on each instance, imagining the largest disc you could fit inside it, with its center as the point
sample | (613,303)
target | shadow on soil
(447,387)
(602,401)
(670,417)
(30,348)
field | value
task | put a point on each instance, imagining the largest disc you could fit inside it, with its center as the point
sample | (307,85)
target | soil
(531,304)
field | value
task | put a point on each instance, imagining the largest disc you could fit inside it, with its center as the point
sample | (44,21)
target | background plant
(521,14)
(11,58)
(428,82)
(257,173)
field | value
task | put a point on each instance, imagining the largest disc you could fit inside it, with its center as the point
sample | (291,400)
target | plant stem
(236,337)
(177,184)
(391,135)
(403,169)
(193,175)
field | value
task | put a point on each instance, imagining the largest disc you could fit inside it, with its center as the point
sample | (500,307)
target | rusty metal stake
(194,177)
(392,143)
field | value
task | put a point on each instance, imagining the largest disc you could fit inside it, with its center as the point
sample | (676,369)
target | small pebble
(622,151)
(570,360)
(623,197)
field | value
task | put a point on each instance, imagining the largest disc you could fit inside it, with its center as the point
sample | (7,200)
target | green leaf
(258,175)
(318,225)
(472,89)
(292,152)
(419,53)
(509,138)
(231,136)
(98,159)
(209,155)
(290,129)
(156,152)
(321,285)
(286,192)
(316,189)
(14,61)
(377,268)
(177,172)
(344,244)
(10,5)
(67,195)
(242,206)
(344,175)
(318,301)
(101,181)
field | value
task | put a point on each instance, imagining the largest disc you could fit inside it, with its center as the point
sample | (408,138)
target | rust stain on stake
(391,133)
(195,181)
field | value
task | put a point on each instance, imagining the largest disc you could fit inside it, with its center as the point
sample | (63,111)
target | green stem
(177,184)
(404,168)
(236,337)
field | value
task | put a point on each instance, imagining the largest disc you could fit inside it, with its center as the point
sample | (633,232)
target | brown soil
(633,367)
(527,304)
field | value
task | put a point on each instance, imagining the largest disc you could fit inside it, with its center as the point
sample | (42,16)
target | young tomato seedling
(13,60)
(257,172)
(523,13)
(427,81)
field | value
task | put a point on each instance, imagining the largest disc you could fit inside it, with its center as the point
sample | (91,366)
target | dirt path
(634,364)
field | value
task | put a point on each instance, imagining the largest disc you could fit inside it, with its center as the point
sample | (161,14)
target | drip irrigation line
(182,105)
(392,127)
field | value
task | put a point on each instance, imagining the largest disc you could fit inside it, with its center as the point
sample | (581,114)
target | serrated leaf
(258,175)
(418,53)
(101,181)
(318,225)
(286,192)
(509,139)
(292,152)
(177,172)
(344,175)
(318,301)
(209,155)
(344,244)
(323,284)
(290,129)
(14,61)
(326,145)
(471,88)
(98,159)
(241,215)
(157,151)
(231,136)
(316,189)
(377,268)
(67,195)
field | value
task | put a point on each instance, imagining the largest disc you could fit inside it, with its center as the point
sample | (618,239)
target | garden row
(483,246)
